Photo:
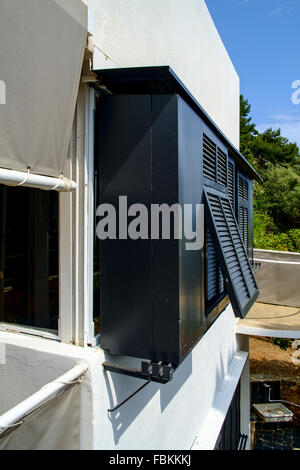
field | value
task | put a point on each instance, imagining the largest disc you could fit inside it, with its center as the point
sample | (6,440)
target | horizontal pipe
(20,411)
(30,180)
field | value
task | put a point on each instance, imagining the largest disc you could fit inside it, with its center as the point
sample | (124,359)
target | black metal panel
(191,265)
(165,253)
(163,80)
(151,291)
(231,252)
(124,153)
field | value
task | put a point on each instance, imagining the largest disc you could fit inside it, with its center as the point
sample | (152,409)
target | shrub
(283,343)
(267,237)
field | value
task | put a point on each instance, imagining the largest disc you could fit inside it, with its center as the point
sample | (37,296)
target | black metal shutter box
(151,290)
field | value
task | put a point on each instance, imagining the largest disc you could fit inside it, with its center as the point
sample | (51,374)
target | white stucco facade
(189,411)
(177,33)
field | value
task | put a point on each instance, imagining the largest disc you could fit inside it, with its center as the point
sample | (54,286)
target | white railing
(16,415)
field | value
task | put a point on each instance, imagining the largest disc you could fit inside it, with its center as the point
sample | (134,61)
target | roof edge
(125,80)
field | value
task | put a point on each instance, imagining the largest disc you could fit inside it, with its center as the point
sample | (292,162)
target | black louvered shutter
(222,167)
(231,252)
(209,159)
(244,208)
(231,182)
(215,168)
(215,280)
(212,270)
(215,162)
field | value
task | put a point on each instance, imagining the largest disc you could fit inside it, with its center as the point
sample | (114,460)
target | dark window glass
(96,259)
(214,279)
(96,288)
(230,436)
(29,279)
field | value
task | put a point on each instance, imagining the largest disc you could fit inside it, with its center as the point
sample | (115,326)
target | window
(29,271)
(226,257)
(230,435)
(214,278)
(215,169)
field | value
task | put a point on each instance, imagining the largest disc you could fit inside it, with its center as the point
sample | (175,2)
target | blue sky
(263,40)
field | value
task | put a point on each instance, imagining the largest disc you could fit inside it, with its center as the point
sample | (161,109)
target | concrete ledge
(213,422)
(271,321)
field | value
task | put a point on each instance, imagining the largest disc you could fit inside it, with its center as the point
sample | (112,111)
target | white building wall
(178,33)
(140,33)
(160,417)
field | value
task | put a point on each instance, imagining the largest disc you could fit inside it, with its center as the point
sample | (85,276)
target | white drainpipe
(30,180)
(19,412)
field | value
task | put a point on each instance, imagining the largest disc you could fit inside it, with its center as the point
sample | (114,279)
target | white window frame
(76,236)
(77,230)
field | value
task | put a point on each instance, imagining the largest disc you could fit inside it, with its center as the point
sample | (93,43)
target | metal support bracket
(159,372)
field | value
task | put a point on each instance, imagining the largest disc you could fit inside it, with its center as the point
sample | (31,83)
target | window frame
(77,229)
(76,232)
(7,327)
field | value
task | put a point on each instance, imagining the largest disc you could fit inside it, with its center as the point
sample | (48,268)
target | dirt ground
(268,359)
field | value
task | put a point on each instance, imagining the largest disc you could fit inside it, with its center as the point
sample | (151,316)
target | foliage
(272,147)
(248,130)
(267,238)
(277,198)
(283,343)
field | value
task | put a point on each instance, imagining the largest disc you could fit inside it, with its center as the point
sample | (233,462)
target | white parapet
(23,409)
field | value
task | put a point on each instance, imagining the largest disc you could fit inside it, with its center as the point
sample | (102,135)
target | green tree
(279,196)
(272,147)
(248,130)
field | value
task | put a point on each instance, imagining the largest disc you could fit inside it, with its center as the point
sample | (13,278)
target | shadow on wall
(119,387)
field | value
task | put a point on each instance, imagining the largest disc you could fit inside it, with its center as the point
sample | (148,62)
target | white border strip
(27,330)
(277,261)
(255,331)
(213,422)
